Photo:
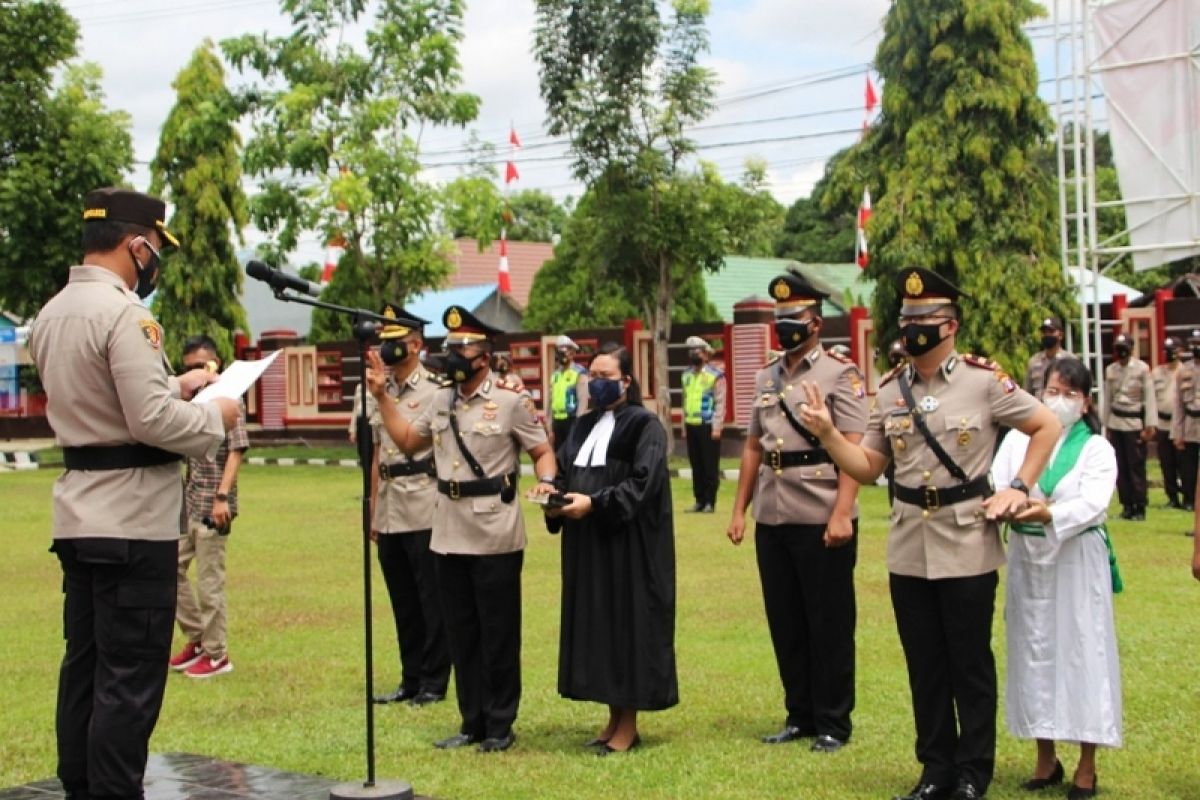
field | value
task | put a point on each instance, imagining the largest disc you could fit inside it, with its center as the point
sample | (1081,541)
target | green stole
(1064,462)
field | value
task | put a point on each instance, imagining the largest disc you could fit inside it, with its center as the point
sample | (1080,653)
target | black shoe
(788,734)
(454,742)
(926,791)
(827,744)
(399,696)
(966,791)
(694,509)
(709,508)
(1189,507)
(426,698)
(1077,792)
(1127,512)
(607,749)
(497,744)
(1174,503)
(1054,779)
(1139,513)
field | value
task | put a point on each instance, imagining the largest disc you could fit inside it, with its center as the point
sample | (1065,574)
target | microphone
(279,281)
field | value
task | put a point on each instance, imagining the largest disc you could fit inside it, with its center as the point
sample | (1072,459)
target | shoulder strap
(808,435)
(919,421)
(462,445)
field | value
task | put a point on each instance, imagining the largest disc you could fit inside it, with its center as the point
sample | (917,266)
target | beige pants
(201,613)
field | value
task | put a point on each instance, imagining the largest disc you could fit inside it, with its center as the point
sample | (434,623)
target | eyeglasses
(1071,394)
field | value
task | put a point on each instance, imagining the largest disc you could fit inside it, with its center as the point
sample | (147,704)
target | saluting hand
(376,375)
(814,415)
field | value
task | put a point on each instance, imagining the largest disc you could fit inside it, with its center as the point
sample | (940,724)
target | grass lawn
(294,701)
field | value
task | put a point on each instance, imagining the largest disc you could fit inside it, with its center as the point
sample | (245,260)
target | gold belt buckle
(932,501)
(775,460)
(454,490)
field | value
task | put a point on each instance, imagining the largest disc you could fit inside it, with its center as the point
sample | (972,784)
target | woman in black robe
(617,643)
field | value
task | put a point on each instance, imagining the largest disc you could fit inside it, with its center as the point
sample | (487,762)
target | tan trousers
(201,613)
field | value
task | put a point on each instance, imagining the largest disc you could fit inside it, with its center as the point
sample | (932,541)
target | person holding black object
(617,640)
(477,428)
(937,418)
(806,513)
(122,422)
(402,519)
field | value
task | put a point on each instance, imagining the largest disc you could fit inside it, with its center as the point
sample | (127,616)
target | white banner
(1148,58)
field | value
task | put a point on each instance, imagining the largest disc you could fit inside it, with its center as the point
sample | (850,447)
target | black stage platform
(183,776)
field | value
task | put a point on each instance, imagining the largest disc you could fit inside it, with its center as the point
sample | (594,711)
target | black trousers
(704,456)
(1168,460)
(1187,460)
(562,430)
(481,596)
(411,577)
(945,627)
(1131,466)
(118,614)
(808,591)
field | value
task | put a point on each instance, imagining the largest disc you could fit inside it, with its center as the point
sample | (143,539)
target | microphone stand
(364,324)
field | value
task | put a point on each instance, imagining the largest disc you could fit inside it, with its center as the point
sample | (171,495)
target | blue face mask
(604,391)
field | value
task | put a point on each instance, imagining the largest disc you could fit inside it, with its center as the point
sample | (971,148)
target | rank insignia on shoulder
(891,374)
(980,362)
(152,332)
(834,354)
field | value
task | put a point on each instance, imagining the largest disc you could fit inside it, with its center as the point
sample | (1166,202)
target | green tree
(333,145)
(536,216)
(952,165)
(198,170)
(623,83)
(812,235)
(57,143)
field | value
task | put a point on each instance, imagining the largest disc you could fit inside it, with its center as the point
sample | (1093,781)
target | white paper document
(236,380)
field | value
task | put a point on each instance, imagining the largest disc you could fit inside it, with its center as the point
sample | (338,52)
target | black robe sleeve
(639,441)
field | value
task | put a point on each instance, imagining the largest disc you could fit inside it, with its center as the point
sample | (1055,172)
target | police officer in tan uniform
(1185,421)
(404,497)
(1052,349)
(1130,417)
(477,429)
(938,418)
(1163,377)
(806,513)
(122,422)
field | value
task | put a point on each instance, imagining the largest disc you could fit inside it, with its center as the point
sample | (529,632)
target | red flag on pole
(863,254)
(510,173)
(512,138)
(505,280)
(871,98)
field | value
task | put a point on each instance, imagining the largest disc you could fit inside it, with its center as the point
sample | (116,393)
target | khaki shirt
(1185,421)
(1128,388)
(1163,378)
(1035,371)
(973,399)
(802,495)
(405,504)
(99,354)
(496,423)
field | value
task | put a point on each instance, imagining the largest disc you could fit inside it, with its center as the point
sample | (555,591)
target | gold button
(457,464)
(779,441)
(926,474)
(964,420)
(925,513)
(493,506)
(818,473)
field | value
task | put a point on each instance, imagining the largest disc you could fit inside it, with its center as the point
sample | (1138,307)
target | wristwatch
(1019,485)
(546,479)
(221,496)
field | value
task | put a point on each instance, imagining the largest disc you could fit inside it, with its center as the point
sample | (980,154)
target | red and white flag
(870,100)
(504,279)
(862,252)
(334,249)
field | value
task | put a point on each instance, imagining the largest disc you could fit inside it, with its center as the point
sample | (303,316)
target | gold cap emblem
(782,290)
(913,285)
(389,312)
(453,319)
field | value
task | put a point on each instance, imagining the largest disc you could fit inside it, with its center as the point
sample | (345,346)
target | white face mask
(1067,411)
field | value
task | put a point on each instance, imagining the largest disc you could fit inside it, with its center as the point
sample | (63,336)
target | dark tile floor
(183,776)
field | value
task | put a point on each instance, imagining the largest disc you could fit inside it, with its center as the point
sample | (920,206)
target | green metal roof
(744,276)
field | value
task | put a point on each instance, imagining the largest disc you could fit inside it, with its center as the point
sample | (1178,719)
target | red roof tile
(472,268)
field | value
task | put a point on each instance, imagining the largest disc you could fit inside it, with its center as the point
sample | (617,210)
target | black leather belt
(1129,414)
(118,456)
(1164,417)
(932,498)
(780,459)
(504,485)
(1191,413)
(401,469)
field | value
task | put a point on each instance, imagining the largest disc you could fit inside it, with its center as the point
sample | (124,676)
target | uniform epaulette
(980,362)
(505,383)
(836,356)
(891,374)
(440,381)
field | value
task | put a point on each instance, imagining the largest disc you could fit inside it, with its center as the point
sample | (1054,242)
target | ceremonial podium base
(381,790)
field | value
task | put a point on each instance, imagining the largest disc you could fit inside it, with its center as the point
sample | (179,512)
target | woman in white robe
(1063,681)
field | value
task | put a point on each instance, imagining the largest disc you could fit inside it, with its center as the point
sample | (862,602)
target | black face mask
(147,274)
(562,358)
(696,359)
(1172,354)
(1049,341)
(920,339)
(459,368)
(792,334)
(393,351)
(1122,351)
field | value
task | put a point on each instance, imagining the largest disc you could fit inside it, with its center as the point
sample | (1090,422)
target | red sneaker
(208,667)
(189,655)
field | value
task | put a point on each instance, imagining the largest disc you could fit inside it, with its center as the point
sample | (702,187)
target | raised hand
(814,415)
(376,375)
